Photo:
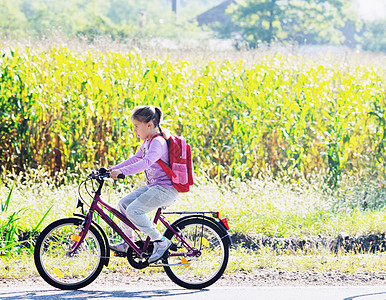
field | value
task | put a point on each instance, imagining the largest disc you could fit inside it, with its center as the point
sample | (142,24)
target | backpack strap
(166,169)
(164,165)
(183,148)
(148,146)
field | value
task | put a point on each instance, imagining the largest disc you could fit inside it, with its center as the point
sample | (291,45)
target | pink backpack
(180,170)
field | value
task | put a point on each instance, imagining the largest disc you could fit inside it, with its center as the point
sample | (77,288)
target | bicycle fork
(79,238)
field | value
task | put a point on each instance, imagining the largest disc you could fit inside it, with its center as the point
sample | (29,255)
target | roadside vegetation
(254,208)
(285,145)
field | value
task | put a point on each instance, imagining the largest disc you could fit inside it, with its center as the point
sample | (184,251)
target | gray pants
(143,200)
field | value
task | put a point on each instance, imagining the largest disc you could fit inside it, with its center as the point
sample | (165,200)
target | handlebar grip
(121,176)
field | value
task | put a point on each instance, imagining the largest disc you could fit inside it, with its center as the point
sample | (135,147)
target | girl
(157,192)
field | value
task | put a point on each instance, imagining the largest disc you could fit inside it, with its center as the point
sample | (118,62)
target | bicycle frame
(95,208)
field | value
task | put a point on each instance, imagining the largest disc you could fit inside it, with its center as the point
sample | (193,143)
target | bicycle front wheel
(57,267)
(204,270)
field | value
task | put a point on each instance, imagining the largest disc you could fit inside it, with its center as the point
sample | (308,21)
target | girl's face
(144,130)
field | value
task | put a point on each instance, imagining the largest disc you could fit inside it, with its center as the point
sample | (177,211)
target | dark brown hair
(146,114)
(149,113)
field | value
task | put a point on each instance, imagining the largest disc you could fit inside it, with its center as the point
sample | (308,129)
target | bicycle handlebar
(103,173)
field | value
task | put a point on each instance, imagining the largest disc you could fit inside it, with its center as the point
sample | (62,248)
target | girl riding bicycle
(158,191)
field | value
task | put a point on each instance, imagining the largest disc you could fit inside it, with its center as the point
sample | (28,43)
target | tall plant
(68,111)
(9,227)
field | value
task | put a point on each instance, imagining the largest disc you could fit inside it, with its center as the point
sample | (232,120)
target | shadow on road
(81,294)
(358,297)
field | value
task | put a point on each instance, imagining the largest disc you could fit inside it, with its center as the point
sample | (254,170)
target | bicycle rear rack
(215,214)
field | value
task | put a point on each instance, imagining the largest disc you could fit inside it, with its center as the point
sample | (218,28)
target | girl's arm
(133,159)
(153,154)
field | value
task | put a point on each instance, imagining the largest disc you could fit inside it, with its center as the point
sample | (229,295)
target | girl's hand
(114,174)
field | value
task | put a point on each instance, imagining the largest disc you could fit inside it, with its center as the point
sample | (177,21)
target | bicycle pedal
(120,254)
(173,247)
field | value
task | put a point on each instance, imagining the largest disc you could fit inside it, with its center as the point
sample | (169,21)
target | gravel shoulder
(261,278)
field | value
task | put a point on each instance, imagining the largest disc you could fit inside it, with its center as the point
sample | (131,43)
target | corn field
(68,110)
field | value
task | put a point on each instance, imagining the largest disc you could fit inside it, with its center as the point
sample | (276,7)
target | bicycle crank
(136,261)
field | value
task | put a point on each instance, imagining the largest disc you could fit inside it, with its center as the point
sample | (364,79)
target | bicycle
(71,252)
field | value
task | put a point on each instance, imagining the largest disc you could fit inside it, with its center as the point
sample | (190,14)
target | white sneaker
(121,247)
(160,247)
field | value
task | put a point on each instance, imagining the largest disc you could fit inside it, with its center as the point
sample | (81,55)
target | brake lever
(120,176)
(104,176)
(95,174)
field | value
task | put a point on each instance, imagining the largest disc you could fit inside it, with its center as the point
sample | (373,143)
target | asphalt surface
(212,293)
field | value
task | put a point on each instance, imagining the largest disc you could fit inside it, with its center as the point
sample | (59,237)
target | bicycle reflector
(75,237)
(58,272)
(204,241)
(185,262)
(224,221)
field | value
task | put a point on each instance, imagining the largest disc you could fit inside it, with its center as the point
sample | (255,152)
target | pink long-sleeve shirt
(145,159)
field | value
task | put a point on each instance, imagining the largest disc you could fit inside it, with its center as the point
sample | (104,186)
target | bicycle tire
(203,271)
(60,270)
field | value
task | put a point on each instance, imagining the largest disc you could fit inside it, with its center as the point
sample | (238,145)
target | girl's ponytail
(158,117)
(165,132)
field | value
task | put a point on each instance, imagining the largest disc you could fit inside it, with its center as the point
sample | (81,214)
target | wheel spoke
(205,269)
(60,268)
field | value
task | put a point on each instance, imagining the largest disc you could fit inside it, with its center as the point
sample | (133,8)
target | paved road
(212,293)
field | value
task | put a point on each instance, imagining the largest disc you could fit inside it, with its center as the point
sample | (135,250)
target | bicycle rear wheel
(59,269)
(198,272)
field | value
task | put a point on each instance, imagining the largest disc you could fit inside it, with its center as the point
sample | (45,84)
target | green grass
(258,207)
